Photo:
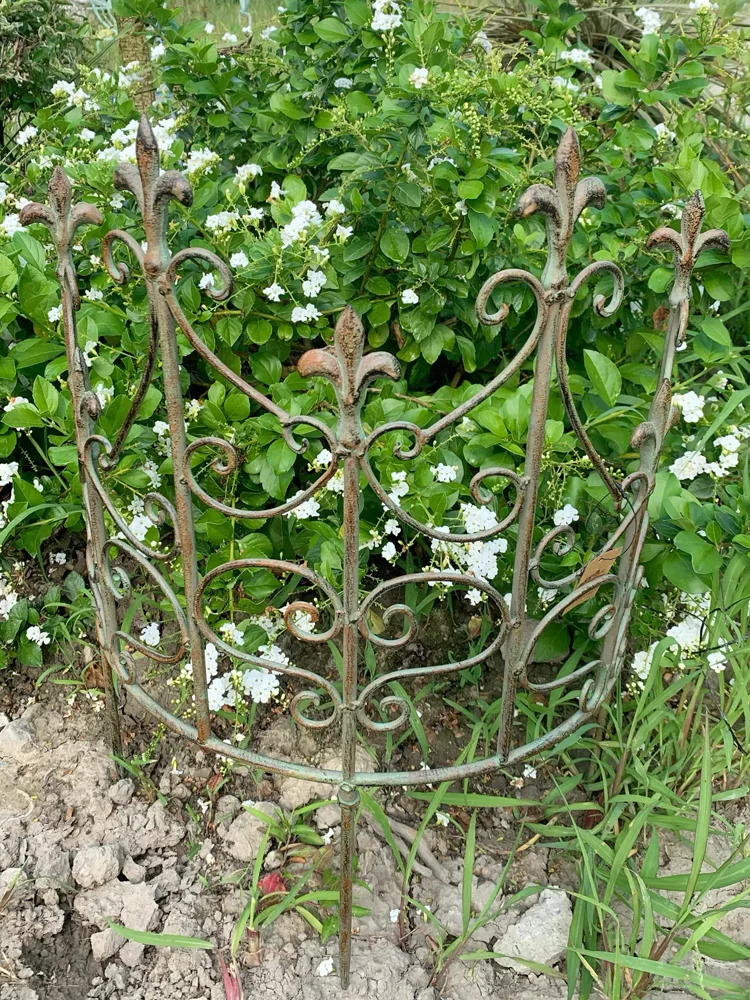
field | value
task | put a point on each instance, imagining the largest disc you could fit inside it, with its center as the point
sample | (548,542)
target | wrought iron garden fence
(322,702)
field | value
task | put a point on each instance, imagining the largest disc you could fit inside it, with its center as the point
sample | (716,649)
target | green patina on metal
(350,370)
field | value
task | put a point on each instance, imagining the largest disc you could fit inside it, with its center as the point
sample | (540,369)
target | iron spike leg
(348,795)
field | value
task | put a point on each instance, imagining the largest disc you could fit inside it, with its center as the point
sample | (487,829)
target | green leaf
(395,244)
(236,406)
(605,376)
(280,457)
(283,104)
(36,352)
(160,940)
(704,556)
(359,103)
(46,396)
(23,415)
(330,29)
(8,274)
(408,194)
(470,189)
(266,368)
(482,228)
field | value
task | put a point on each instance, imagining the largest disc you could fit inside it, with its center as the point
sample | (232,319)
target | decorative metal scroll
(350,370)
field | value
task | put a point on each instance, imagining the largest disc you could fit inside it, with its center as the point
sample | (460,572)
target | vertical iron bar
(348,795)
(526,520)
(183,500)
(106,618)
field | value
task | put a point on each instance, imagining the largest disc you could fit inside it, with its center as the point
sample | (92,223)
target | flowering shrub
(373,155)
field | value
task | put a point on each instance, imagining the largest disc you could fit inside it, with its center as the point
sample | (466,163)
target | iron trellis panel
(345,365)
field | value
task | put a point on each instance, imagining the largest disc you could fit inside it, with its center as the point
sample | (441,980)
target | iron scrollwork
(350,370)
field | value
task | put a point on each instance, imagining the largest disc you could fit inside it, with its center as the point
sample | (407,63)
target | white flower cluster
(305,215)
(222,222)
(563,84)
(399,487)
(24,137)
(11,225)
(231,634)
(247,172)
(579,57)
(151,634)
(310,508)
(691,405)
(386,15)
(444,473)
(8,597)
(200,161)
(650,20)
(305,314)
(664,132)
(566,515)
(418,78)
(313,283)
(703,6)
(35,634)
(691,634)
(477,558)
(694,463)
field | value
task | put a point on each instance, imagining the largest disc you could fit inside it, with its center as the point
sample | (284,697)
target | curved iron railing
(350,370)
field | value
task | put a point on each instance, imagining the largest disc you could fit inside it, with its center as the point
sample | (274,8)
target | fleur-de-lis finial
(561,205)
(152,190)
(62,218)
(347,367)
(688,244)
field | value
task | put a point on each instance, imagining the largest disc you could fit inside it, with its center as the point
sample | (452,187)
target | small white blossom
(310,508)
(418,78)
(151,634)
(239,259)
(343,233)
(441,818)
(650,20)
(664,133)
(483,42)
(13,402)
(334,207)
(305,314)
(386,15)
(388,551)
(26,135)
(274,292)
(579,57)
(444,473)
(409,297)
(313,283)
(35,634)
(567,515)
(343,83)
